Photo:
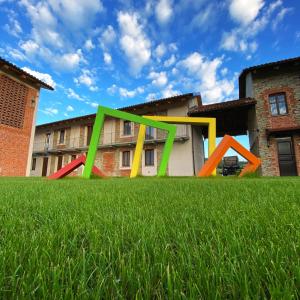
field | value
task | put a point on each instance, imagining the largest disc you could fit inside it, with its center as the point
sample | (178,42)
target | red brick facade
(15,138)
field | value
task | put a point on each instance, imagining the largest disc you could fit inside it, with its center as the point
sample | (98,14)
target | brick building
(268,109)
(19,94)
(57,143)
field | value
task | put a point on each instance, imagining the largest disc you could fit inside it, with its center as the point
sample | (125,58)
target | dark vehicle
(230,165)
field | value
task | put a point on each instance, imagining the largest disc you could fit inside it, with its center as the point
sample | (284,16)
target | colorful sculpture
(73,165)
(99,121)
(226,143)
(210,122)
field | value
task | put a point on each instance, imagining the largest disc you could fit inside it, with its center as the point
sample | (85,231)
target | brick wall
(15,141)
(288,83)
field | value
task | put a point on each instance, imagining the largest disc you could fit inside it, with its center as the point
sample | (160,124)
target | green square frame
(98,125)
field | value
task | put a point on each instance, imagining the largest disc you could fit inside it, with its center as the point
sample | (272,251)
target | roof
(290,62)
(169,100)
(158,101)
(224,105)
(23,73)
(232,116)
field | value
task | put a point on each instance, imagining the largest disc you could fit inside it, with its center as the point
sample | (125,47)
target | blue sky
(118,53)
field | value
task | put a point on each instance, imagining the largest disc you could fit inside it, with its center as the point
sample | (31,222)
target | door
(149,162)
(286,157)
(59,162)
(45,166)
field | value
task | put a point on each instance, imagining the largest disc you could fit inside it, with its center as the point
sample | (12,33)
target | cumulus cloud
(169,62)
(242,37)
(163,11)
(42,76)
(70,108)
(169,91)
(50,111)
(77,13)
(107,58)
(160,50)
(245,11)
(124,92)
(108,37)
(88,45)
(159,79)
(73,95)
(205,71)
(133,41)
(13,26)
(86,78)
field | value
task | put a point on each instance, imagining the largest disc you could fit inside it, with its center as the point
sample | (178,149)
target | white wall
(181,158)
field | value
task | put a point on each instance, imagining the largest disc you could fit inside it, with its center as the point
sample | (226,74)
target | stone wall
(288,83)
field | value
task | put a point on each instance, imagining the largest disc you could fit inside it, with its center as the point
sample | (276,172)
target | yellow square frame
(210,122)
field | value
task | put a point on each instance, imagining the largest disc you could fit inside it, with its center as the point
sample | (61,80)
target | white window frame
(121,160)
(122,127)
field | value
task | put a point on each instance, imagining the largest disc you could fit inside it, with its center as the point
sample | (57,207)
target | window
(126,159)
(149,133)
(89,134)
(149,157)
(126,128)
(278,104)
(33,164)
(59,162)
(47,140)
(62,136)
(193,103)
(73,157)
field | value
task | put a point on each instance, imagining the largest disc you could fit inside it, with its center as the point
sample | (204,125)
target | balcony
(108,140)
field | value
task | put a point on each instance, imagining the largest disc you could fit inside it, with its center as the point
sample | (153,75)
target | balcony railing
(109,139)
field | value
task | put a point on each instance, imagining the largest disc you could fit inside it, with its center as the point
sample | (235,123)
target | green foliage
(150,238)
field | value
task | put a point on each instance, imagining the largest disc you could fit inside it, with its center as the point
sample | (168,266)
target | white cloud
(68,61)
(160,50)
(169,91)
(88,45)
(280,16)
(108,37)
(73,95)
(164,11)
(297,35)
(76,14)
(42,76)
(159,79)
(93,104)
(151,97)
(125,93)
(86,78)
(169,62)
(13,27)
(205,72)
(245,11)
(107,58)
(70,108)
(239,39)
(16,54)
(30,47)
(134,42)
(50,111)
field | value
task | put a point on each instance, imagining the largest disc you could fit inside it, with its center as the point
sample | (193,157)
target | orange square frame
(226,143)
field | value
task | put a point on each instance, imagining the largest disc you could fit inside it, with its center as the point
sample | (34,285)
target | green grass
(150,238)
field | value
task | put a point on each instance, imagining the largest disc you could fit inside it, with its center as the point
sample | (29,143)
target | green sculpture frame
(98,125)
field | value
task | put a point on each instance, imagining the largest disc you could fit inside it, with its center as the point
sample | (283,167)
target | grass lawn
(150,238)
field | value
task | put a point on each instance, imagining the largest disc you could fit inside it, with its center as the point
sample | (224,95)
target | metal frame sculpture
(210,122)
(73,165)
(226,143)
(98,125)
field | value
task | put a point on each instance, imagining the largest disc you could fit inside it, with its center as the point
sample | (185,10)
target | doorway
(59,162)
(45,166)
(286,157)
